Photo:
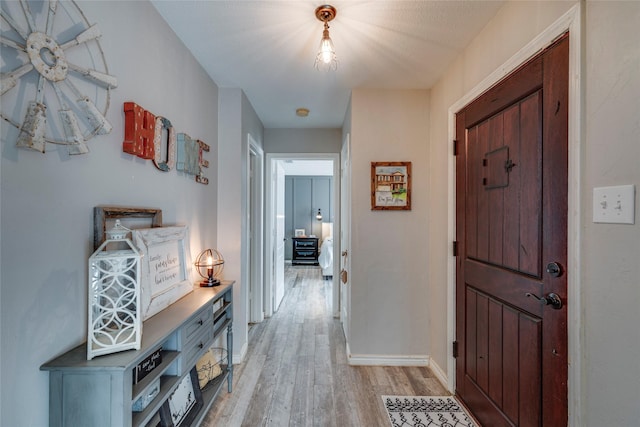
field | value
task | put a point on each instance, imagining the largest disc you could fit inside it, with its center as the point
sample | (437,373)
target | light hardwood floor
(295,372)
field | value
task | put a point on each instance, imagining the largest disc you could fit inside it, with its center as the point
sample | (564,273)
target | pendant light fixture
(326,57)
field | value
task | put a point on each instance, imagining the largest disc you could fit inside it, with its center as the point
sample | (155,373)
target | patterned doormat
(426,411)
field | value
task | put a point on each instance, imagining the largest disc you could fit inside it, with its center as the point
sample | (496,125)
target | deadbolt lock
(554,269)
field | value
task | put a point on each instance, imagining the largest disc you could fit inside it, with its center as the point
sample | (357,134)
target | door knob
(552,299)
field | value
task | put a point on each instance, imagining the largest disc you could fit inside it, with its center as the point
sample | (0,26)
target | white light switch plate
(614,205)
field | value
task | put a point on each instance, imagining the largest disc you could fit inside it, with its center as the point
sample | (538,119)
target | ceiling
(267,48)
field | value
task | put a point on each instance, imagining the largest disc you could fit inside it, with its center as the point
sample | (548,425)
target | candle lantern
(210,264)
(115,321)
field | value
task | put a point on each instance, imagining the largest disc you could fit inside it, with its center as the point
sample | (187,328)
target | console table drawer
(195,348)
(194,327)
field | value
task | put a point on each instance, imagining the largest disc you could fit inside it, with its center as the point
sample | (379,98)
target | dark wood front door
(511,207)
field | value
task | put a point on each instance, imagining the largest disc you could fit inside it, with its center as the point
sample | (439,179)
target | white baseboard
(396,360)
(439,373)
(387,360)
(239,358)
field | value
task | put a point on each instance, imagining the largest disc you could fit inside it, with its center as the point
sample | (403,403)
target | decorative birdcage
(115,321)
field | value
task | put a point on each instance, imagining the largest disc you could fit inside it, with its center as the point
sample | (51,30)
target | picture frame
(390,185)
(184,403)
(300,232)
(131,217)
(166,266)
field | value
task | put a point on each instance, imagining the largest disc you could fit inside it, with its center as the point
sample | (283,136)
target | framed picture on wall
(391,186)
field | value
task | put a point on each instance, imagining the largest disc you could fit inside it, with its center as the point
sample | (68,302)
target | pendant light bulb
(326,57)
(327,51)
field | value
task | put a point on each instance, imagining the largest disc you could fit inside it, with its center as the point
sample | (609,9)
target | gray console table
(101,392)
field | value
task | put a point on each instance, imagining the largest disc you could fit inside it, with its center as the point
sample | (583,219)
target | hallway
(296,373)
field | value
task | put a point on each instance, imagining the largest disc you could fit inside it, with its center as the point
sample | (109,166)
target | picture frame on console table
(182,406)
(166,266)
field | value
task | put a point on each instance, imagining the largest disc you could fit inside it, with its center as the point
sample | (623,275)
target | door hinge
(455,147)
(455,348)
(455,248)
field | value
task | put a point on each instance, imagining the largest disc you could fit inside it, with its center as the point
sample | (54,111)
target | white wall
(237,120)
(302,140)
(389,249)
(47,200)
(611,253)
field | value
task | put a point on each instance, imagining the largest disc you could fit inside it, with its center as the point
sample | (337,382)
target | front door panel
(511,176)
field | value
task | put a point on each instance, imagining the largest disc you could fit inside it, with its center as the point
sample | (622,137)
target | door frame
(570,21)
(344,237)
(271,158)
(255,221)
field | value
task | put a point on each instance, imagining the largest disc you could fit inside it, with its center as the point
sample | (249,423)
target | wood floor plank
(259,412)
(424,382)
(344,397)
(322,361)
(302,404)
(324,414)
(308,340)
(281,401)
(380,375)
(230,408)
(398,379)
(296,370)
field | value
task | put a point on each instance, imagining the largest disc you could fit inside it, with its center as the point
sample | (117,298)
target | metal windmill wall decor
(55,84)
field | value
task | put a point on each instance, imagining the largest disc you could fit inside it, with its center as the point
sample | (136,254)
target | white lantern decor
(115,323)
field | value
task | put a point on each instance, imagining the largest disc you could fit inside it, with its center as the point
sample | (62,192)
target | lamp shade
(327,230)
(326,57)
(115,322)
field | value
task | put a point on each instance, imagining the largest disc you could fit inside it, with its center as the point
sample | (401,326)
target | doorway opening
(302,196)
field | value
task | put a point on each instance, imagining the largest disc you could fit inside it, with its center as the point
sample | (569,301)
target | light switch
(614,205)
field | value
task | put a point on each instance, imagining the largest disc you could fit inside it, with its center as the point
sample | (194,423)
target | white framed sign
(166,266)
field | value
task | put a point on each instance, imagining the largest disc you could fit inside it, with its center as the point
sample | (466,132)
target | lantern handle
(118,232)
(118,224)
